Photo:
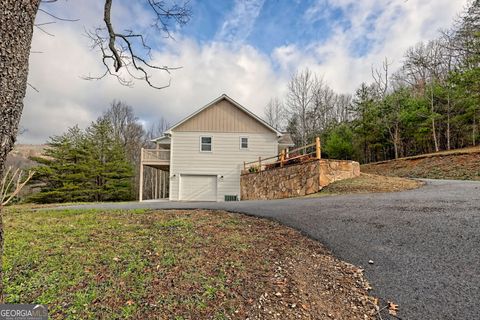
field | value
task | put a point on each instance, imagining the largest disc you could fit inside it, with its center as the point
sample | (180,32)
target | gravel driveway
(425,243)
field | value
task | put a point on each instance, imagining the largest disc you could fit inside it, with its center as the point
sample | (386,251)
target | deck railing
(153,155)
(286,157)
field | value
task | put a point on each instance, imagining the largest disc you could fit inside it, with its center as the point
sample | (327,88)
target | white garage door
(198,188)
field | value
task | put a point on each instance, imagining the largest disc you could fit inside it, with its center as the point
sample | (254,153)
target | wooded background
(431,103)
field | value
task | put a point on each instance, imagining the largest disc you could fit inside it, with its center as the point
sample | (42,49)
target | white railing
(154,155)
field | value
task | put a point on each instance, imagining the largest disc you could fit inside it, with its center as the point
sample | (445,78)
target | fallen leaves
(392,308)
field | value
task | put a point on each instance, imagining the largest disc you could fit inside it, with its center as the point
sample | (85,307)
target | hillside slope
(21,153)
(461,164)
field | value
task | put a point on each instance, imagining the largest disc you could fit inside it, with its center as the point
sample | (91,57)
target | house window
(206,144)
(243,143)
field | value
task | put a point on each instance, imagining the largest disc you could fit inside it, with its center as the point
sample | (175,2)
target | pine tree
(112,172)
(85,165)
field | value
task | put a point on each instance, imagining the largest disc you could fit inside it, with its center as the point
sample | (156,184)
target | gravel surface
(424,243)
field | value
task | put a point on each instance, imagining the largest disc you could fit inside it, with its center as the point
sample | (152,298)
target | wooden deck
(160,160)
(157,158)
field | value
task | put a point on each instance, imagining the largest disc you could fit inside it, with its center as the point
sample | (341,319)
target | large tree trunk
(16,29)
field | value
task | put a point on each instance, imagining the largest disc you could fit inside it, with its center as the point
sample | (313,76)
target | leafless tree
(12,183)
(382,85)
(313,106)
(120,56)
(462,47)
(300,98)
(129,131)
(323,106)
(381,79)
(275,114)
(121,49)
(462,39)
(423,67)
(342,110)
(157,129)
(126,127)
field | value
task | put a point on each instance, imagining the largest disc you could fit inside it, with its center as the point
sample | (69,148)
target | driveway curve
(425,243)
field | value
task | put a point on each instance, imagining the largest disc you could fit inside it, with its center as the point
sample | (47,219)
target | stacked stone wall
(295,180)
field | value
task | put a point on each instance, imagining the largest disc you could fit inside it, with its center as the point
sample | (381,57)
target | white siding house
(208,148)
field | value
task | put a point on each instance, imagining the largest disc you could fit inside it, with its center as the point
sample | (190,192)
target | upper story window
(206,144)
(243,143)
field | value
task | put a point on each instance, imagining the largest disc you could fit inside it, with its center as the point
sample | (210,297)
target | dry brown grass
(368,183)
(461,164)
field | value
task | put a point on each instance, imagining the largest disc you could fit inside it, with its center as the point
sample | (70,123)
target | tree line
(99,163)
(431,103)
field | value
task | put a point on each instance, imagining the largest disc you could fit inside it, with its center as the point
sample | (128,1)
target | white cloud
(239,22)
(207,71)
(389,27)
(212,68)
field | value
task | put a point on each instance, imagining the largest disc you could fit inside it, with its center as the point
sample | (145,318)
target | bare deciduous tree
(424,66)
(381,79)
(275,114)
(323,106)
(343,106)
(129,131)
(129,50)
(120,55)
(312,106)
(300,97)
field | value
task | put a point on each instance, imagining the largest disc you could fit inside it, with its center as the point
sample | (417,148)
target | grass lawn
(89,264)
(368,183)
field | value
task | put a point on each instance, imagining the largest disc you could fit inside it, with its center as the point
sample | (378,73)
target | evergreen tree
(111,171)
(339,143)
(85,165)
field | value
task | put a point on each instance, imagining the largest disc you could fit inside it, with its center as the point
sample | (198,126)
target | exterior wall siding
(223,116)
(226,158)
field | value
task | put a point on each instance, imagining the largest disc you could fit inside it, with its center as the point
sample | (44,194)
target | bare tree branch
(44,31)
(128,50)
(56,17)
(31,86)
(6,192)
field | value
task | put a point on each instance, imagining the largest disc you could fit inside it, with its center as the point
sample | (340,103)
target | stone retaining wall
(296,180)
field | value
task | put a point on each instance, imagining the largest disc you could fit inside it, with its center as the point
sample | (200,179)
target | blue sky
(277,23)
(247,49)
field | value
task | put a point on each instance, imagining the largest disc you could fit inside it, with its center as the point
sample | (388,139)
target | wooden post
(318,147)
(244,166)
(164,183)
(282,158)
(259,164)
(140,196)
(155,189)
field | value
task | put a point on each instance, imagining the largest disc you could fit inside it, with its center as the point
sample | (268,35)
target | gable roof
(234,103)
(162,140)
(286,140)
